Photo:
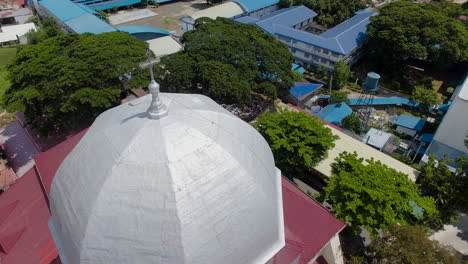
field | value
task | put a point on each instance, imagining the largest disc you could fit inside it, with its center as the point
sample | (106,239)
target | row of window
(315,48)
(313,57)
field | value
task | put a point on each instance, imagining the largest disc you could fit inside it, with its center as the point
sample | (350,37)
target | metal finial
(157,109)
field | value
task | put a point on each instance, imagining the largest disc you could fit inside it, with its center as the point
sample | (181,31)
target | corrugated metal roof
(252,5)
(301,90)
(78,18)
(426,137)
(410,122)
(110,4)
(228,10)
(298,68)
(334,113)
(341,39)
(376,138)
(142,29)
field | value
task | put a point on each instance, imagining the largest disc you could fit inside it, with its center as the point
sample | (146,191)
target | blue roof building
(74,17)
(384,101)
(409,125)
(301,91)
(334,113)
(298,68)
(342,42)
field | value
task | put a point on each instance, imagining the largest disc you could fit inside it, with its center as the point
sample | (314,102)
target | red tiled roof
(308,226)
(24,233)
(48,162)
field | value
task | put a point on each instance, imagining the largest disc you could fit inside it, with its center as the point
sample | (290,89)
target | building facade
(453,130)
(294,26)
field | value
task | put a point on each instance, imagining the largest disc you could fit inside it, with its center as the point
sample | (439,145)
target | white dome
(198,186)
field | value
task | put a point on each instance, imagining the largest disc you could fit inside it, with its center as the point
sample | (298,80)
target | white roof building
(376,138)
(197,185)
(12,33)
(164,46)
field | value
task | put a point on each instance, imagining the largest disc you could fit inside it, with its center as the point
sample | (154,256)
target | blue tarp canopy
(383,101)
(334,113)
(410,122)
(302,90)
(298,68)
(426,137)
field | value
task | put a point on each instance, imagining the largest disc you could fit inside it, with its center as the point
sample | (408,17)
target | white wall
(407,131)
(332,252)
(454,127)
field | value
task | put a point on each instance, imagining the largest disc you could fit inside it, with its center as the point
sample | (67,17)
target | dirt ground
(169,15)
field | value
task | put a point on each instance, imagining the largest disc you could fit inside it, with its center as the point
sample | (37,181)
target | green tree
(408,245)
(65,80)
(297,76)
(368,194)
(47,28)
(339,97)
(427,96)
(352,122)
(242,57)
(342,74)
(104,16)
(405,30)
(447,189)
(299,141)
(285,3)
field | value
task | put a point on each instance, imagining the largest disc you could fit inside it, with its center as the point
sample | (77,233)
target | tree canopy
(64,80)
(370,195)
(339,97)
(427,96)
(407,245)
(298,141)
(352,122)
(405,30)
(227,60)
(447,188)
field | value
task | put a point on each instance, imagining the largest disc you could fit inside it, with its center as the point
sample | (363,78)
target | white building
(453,130)
(15,33)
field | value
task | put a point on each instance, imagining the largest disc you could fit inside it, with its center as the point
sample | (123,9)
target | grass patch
(6,54)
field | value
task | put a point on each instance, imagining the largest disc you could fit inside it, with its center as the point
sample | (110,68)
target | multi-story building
(450,137)
(294,26)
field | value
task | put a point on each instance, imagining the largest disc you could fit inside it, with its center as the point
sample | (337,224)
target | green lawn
(6,54)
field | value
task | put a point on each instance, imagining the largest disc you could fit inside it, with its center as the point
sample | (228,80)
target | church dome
(196,186)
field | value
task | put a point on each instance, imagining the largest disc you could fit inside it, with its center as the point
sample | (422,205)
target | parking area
(168,15)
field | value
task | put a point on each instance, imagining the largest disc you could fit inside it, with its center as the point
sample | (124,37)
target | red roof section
(308,226)
(24,233)
(48,162)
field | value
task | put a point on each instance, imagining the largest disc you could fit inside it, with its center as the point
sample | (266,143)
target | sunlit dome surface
(198,186)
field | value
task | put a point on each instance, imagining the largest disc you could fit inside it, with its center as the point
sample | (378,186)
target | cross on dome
(157,109)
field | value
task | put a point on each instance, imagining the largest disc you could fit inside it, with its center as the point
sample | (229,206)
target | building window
(335,54)
(294,42)
(306,54)
(293,50)
(326,52)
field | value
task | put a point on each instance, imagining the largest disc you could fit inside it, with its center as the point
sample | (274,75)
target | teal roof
(383,101)
(334,113)
(117,3)
(77,17)
(298,68)
(142,29)
(252,5)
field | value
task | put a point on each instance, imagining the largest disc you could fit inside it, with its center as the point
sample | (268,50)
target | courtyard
(165,17)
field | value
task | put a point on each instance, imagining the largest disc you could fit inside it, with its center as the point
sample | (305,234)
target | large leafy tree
(407,245)
(405,30)
(427,96)
(339,97)
(298,141)
(67,79)
(370,195)
(227,61)
(447,189)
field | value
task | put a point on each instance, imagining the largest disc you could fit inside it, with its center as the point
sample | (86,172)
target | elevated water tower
(372,82)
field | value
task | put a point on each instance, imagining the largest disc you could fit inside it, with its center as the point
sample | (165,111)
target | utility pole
(330,85)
